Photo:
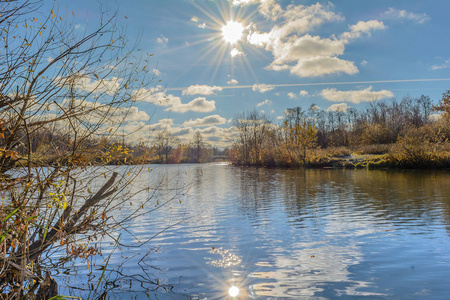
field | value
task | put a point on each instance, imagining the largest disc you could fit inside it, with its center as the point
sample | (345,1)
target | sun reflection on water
(233,291)
(229,259)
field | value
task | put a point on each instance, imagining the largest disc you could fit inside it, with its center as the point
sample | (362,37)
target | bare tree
(60,91)
(254,132)
(298,135)
(165,143)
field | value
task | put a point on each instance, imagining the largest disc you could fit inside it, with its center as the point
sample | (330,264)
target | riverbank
(374,157)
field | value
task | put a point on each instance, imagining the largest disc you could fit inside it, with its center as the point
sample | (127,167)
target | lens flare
(233,291)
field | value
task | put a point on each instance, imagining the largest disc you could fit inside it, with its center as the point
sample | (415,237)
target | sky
(215,59)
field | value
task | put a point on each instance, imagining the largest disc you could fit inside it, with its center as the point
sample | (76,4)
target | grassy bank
(383,156)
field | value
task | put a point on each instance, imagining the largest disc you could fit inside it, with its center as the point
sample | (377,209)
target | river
(284,234)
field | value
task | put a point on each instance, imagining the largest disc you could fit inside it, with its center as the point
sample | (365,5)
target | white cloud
(166,122)
(367,26)
(156,96)
(300,19)
(232,81)
(203,25)
(159,97)
(393,13)
(97,112)
(265,102)
(131,114)
(296,50)
(262,88)
(322,65)
(201,90)
(362,27)
(162,40)
(199,104)
(356,96)
(303,93)
(258,39)
(343,107)
(364,63)
(292,95)
(305,47)
(206,121)
(445,65)
(106,85)
(236,52)
(244,2)
(194,19)
(156,72)
(270,9)
(302,54)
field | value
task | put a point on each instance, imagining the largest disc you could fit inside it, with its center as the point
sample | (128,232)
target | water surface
(289,234)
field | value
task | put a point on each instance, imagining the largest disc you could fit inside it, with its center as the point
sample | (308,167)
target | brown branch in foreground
(38,247)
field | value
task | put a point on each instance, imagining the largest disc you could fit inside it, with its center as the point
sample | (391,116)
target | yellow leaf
(65,201)
(73,14)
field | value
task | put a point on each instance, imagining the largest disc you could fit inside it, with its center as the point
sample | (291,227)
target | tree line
(47,143)
(412,132)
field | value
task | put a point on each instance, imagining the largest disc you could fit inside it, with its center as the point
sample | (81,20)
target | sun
(232,32)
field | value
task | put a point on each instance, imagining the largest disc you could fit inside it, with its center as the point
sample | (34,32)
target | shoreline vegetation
(407,134)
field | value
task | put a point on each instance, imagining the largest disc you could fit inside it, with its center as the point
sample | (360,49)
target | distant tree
(299,135)
(444,104)
(198,143)
(254,132)
(164,143)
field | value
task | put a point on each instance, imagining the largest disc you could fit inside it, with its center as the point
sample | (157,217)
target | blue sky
(289,53)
